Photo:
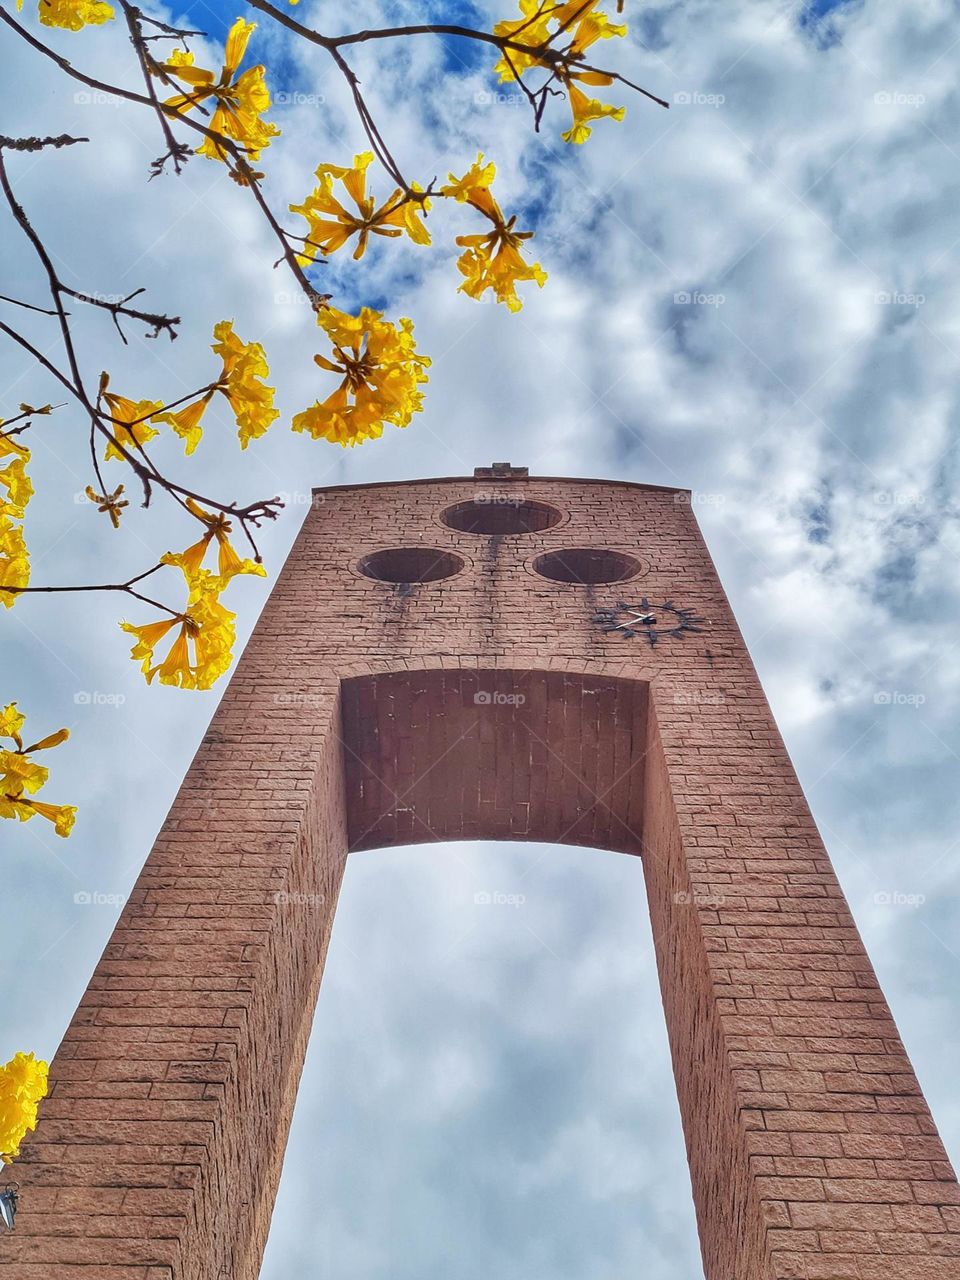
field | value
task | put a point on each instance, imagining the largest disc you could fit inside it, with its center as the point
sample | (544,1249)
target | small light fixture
(8,1206)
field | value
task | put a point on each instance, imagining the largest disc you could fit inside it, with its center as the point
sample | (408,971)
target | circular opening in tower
(583,565)
(410,564)
(501,515)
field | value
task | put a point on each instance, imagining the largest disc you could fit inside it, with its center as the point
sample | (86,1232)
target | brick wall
(353,721)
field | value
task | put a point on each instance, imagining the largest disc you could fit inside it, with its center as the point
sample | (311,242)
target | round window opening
(410,564)
(501,515)
(583,565)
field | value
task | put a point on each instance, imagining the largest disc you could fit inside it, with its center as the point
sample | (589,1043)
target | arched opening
(488,1088)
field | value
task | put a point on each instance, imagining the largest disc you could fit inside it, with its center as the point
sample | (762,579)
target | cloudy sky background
(488,1088)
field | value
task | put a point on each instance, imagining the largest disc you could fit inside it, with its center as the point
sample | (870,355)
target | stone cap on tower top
(502,471)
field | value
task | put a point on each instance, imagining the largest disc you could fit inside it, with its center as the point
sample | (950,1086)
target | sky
(752,295)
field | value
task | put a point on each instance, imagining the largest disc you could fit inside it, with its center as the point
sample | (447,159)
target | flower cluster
(73,14)
(203,634)
(244,366)
(492,259)
(331,225)
(240,100)
(15,492)
(21,778)
(380,370)
(23,1084)
(568,30)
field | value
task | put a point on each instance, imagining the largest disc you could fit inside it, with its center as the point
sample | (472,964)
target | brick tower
(496,657)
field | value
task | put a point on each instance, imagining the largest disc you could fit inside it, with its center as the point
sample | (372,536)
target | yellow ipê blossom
(570,29)
(241,382)
(381,373)
(23,1085)
(73,14)
(15,492)
(111,503)
(14,560)
(219,528)
(186,422)
(240,100)
(14,479)
(21,778)
(331,225)
(130,423)
(531,28)
(585,109)
(202,647)
(492,259)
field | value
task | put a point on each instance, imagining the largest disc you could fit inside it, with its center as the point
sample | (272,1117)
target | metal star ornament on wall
(654,621)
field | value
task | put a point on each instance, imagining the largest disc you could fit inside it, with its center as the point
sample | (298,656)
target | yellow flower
(381,373)
(23,1085)
(492,260)
(15,480)
(587,23)
(585,108)
(74,14)
(11,722)
(111,503)
(532,28)
(240,100)
(186,422)
(244,365)
(10,447)
(131,422)
(229,563)
(331,225)
(14,560)
(21,777)
(474,186)
(571,29)
(205,627)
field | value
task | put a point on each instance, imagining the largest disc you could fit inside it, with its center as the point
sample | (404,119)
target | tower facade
(495,657)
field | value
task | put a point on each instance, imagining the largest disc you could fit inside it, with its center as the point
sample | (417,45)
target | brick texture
(488,704)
